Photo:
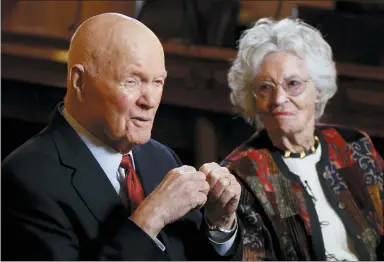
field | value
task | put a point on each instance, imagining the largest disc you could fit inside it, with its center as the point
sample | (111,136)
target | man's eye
(130,83)
(265,88)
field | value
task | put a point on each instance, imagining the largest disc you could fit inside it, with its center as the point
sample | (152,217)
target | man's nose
(147,98)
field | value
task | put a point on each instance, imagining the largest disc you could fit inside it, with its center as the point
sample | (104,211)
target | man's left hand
(223,197)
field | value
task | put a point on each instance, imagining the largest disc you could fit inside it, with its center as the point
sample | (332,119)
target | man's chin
(125,144)
(140,139)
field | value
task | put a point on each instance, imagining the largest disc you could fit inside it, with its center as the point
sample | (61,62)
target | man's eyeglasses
(292,87)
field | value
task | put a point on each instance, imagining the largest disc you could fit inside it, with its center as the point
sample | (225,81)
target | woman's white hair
(291,35)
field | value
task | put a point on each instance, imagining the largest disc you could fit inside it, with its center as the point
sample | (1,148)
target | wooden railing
(197,80)
(188,51)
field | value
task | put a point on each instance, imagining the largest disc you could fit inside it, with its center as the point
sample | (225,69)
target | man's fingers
(182,170)
(227,195)
(199,176)
(188,173)
(203,187)
(212,178)
(200,200)
(186,169)
(208,167)
(218,189)
(217,174)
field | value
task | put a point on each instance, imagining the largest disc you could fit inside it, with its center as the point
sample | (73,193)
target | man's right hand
(182,190)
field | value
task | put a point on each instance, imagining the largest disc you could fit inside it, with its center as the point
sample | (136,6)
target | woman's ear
(318,96)
(77,80)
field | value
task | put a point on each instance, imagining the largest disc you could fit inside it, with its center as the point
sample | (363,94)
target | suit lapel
(147,170)
(151,169)
(88,179)
(95,189)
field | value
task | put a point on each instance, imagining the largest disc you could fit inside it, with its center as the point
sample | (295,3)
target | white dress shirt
(109,160)
(332,228)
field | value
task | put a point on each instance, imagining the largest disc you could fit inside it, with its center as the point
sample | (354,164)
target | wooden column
(206,149)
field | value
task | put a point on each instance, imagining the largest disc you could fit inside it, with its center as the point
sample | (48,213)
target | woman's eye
(294,83)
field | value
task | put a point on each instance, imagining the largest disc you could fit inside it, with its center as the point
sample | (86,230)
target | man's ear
(77,80)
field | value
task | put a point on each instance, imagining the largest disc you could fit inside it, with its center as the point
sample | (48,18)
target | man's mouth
(141,121)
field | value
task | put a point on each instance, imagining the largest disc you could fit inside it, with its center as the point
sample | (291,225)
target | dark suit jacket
(58,204)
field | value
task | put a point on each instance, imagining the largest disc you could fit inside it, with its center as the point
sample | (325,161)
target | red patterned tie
(135,190)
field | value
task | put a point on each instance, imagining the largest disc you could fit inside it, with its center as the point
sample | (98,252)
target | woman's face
(285,95)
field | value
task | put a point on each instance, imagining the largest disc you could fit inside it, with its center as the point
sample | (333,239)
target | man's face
(125,94)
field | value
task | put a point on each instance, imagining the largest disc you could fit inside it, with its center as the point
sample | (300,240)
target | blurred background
(199,38)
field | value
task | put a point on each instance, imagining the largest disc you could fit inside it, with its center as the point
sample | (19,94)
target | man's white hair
(291,35)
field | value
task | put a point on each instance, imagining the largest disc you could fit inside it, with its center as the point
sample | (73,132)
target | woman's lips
(282,114)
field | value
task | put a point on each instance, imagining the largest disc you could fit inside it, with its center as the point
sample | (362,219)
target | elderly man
(94,185)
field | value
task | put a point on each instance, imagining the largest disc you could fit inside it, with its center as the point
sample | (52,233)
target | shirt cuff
(159,244)
(226,248)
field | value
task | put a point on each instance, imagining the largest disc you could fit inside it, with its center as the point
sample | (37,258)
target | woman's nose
(279,96)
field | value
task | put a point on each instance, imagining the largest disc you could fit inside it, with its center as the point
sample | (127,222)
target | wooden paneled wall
(252,10)
(58,19)
(55,19)
(197,75)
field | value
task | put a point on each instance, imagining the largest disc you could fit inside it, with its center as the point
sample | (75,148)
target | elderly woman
(310,191)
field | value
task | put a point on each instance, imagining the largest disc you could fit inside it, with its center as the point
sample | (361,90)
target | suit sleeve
(131,243)
(176,158)
(35,227)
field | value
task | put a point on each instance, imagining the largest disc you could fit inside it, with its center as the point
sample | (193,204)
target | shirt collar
(108,158)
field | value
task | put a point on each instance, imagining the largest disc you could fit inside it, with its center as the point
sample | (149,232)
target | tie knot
(126,162)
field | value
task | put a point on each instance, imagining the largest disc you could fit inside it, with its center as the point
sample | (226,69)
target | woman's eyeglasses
(292,87)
